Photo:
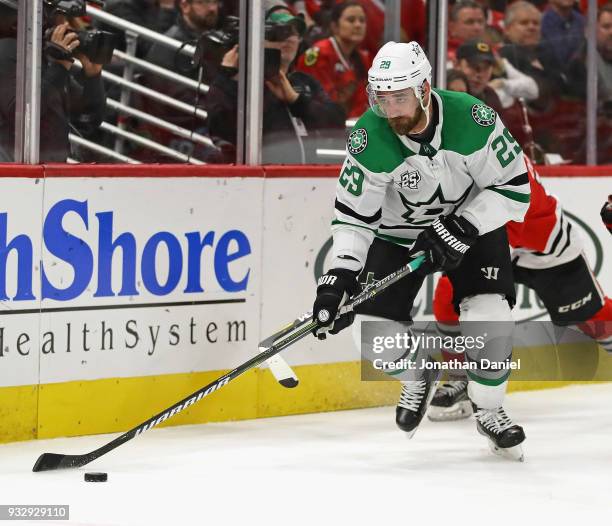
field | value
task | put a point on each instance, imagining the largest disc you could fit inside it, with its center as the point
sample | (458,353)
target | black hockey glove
(606,214)
(333,290)
(444,243)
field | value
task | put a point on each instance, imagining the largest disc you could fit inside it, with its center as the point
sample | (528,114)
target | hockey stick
(278,366)
(291,334)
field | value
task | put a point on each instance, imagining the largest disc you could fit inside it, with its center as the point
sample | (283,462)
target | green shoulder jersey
(392,187)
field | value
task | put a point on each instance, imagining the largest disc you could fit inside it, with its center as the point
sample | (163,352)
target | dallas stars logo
(422,214)
(357,141)
(483,115)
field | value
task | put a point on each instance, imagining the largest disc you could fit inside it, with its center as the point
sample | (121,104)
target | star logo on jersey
(409,180)
(357,141)
(423,213)
(483,115)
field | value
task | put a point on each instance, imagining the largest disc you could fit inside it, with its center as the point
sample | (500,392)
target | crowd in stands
(531,68)
(525,59)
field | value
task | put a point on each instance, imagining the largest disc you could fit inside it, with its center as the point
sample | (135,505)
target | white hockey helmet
(398,66)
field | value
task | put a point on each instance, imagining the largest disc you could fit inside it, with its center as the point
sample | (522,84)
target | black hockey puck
(96,477)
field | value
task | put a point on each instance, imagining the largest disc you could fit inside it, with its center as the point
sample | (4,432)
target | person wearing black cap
(476,60)
(298,116)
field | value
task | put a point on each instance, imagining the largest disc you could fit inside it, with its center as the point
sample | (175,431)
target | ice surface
(350,467)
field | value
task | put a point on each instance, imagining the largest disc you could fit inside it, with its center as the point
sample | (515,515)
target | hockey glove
(333,290)
(606,214)
(444,243)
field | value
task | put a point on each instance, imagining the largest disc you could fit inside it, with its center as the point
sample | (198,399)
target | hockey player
(546,252)
(437,173)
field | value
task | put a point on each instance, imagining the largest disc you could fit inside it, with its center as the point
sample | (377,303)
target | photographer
(194,18)
(71,99)
(297,113)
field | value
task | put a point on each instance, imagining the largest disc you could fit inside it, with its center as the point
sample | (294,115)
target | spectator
(297,113)
(71,99)
(157,15)
(508,83)
(562,30)
(456,80)
(523,49)
(466,22)
(476,61)
(338,63)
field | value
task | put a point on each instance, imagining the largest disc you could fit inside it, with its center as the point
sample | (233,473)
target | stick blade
(52,461)
(289,383)
(281,370)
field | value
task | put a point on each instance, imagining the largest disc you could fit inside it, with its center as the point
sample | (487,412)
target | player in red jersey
(548,257)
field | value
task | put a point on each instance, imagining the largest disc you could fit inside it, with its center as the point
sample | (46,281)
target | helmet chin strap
(419,96)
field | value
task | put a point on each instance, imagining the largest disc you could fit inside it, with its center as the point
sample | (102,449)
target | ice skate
(503,435)
(414,400)
(450,402)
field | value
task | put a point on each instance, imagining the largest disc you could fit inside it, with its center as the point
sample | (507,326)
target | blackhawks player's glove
(444,243)
(606,214)
(333,290)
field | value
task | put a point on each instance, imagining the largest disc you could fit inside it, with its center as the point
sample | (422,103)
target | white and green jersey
(392,187)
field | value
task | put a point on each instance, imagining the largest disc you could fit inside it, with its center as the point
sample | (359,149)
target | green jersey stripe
(515,196)
(488,381)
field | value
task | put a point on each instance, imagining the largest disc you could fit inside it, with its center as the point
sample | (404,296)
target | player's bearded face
(404,125)
(401,108)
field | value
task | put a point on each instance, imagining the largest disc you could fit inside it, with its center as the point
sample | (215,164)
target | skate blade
(432,391)
(410,434)
(459,411)
(511,453)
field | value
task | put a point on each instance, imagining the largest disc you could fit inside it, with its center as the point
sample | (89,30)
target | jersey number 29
(505,147)
(352,178)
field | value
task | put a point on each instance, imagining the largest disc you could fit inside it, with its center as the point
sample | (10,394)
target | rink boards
(126,288)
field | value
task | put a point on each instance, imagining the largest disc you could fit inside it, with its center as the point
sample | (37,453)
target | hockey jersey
(392,187)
